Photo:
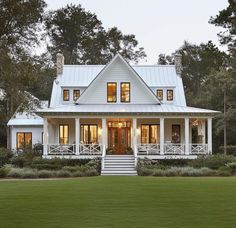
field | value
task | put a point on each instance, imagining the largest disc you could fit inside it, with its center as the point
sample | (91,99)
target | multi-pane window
(150,133)
(170,94)
(160,94)
(89,133)
(76,94)
(111,92)
(176,138)
(64,134)
(66,95)
(24,140)
(125,92)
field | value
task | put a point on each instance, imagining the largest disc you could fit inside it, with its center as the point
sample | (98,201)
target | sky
(160,26)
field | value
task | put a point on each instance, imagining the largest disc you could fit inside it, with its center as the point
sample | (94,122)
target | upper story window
(64,134)
(160,94)
(66,95)
(170,95)
(24,140)
(76,94)
(125,92)
(111,92)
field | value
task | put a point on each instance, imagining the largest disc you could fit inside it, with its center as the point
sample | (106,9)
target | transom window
(125,92)
(89,133)
(76,94)
(66,95)
(64,134)
(150,133)
(170,94)
(24,140)
(160,94)
(111,92)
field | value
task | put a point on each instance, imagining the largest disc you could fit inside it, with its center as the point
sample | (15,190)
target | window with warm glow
(89,133)
(24,140)
(150,133)
(66,95)
(64,134)
(170,95)
(111,92)
(176,138)
(125,92)
(76,94)
(160,94)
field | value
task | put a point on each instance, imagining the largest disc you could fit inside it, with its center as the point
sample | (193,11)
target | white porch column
(77,135)
(104,133)
(186,127)
(45,136)
(162,135)
(204,131)
(209,135)
(134,135)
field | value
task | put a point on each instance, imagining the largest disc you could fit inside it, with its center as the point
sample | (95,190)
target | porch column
(204,131)
(134,135)
(104,133)
(77,135)
(209,135)
(162,135)
(45,136)
(186,126)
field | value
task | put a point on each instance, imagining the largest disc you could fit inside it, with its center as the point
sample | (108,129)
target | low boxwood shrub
(46,173)
(22,173)
(63,173)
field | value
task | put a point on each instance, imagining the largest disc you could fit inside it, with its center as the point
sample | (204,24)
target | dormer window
(76,94)
(170,95)
(160,94)
(125,92)
(111,92)
(66,95)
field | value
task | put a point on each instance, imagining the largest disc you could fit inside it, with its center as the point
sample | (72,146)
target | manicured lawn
(119,202)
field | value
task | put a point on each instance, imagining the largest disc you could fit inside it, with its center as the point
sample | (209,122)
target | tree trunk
(225,127)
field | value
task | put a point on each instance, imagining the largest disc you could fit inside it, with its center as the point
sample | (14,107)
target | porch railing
(198,149)
(148,149)
(54,149)
(90,149)
(174,149)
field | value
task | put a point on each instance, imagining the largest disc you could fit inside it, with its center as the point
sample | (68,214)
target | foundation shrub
(46,173)
(63,173)
(3,172)
(23,173)
(5,156)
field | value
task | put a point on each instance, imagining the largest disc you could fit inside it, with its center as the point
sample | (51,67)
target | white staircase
(119,165)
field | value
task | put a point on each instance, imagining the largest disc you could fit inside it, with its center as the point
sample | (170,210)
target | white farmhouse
(117,112)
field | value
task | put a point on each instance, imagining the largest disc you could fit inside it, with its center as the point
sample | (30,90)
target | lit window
(66,95)
(175,134)
(111,92)
(125,92)
(76,94)
(160,94)
(170,95)
(24,140)
(64,134)
(89,133)
(150,133)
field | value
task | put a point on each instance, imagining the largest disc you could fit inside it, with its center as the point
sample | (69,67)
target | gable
(118,71)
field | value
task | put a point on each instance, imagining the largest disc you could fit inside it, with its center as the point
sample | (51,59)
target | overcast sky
(160,26)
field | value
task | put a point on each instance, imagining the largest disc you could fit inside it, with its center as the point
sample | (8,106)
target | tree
(80,36)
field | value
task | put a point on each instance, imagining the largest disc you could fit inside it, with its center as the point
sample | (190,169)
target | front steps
(119,165)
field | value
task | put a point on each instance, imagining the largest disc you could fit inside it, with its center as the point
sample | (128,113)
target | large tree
(80,36)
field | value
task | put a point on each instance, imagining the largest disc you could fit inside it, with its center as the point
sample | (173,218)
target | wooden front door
(119,139)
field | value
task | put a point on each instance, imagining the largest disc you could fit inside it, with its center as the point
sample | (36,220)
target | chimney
(178,63)
(60,63)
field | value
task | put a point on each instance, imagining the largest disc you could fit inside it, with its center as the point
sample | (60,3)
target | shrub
(5,156)
(63,173)
(224,171)
(46,174)
(3,172)
(29,173)
(22,173)
(232,166)
(91,172)
(231,149)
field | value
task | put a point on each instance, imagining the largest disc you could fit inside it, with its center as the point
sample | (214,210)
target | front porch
(155,138)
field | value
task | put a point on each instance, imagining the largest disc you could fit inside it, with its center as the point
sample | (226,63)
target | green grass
(119,202)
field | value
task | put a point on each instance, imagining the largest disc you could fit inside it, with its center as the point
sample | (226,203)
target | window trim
(64,90)
(162,94)
(63,133)
(121,92)
(74,94)
(116,92)
(149,131)
(82,132)
(20,132)
(170,90)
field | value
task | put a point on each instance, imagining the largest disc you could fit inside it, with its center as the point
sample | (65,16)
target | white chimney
(178,63)
(60,63)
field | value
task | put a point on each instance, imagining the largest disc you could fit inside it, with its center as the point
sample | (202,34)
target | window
(160,94)
(111,92)
(66,95)
(125,92)
(76,94)
(24,140)
(176,134)
(150,133)
(170,95)
(64,134)
(89,133)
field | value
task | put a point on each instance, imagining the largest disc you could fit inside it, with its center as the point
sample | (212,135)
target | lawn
(119,202)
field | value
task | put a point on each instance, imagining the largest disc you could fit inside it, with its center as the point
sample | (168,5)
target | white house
(117,112)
